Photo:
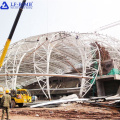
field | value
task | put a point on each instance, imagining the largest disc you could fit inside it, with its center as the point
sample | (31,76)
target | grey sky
(60,15)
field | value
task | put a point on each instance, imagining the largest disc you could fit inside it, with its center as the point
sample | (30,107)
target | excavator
(20,96)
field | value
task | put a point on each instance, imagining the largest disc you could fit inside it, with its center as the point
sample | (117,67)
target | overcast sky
(60,15)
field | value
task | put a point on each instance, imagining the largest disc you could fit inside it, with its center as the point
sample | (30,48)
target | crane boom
(11,33)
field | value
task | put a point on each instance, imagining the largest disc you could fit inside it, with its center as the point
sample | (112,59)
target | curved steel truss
(55,54)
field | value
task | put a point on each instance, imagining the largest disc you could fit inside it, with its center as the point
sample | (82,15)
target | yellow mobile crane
(19,96)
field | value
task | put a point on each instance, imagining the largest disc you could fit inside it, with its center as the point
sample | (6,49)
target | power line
(108,26)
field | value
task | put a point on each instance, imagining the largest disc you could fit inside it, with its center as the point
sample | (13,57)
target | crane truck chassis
(20,97)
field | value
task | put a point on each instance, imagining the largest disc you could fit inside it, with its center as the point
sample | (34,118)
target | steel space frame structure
(37,58)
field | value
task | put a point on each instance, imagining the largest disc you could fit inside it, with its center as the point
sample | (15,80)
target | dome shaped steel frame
(40,57)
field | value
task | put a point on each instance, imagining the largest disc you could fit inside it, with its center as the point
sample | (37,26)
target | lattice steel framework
(56,53)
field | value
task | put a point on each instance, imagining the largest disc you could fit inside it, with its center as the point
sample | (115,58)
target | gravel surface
(73,111)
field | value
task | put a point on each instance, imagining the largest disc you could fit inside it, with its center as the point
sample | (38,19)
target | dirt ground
(71,111)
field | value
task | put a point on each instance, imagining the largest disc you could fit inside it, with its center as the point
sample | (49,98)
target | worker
(6,101)
(77,37)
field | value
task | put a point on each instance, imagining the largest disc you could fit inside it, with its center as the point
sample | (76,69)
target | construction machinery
(1,93)
(20,96)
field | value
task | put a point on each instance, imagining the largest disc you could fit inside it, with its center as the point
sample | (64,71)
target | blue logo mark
(4,5)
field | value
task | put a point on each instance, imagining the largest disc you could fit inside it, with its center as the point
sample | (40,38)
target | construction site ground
(70,111)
